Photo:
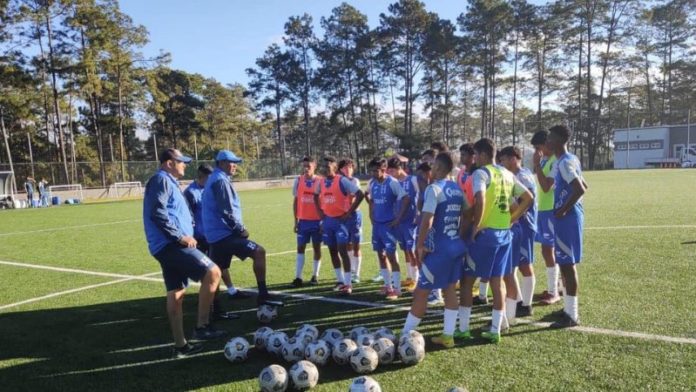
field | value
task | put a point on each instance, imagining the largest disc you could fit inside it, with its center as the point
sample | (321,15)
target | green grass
(632,279)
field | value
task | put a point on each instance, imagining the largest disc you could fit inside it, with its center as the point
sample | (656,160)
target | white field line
(69,227)
(81,271)
(641,227)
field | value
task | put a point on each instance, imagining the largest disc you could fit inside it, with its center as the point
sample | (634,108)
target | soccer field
(82,303)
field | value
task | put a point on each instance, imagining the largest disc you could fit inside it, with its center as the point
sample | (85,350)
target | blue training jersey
(445,200)
(222,209)
(194,197)
(384,196)
(526,178)
(566,170)
(166,216)
(410,187)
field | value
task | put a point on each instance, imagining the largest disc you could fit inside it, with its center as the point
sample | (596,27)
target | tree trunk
(56,105)
(514,90)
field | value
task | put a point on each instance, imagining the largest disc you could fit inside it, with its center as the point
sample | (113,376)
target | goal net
(65,192)
(7,184)
(126,189)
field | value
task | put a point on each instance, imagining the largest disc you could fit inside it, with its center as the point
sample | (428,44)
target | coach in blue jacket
(169,232)
(223,225)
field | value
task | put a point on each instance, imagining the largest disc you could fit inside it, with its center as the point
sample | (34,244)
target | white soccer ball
(365,339)
(261,337)
(332,336)
(236,349)
(411,350)
(457,389)
(386,350)
(343,350)
(308,328)
(304,375)
(306,336)
(275,342)
(385,332)
(293,350)
(318,352)
(415,335)
(364,360)
(364,384)
(357,331)
(273,378)
(266,313)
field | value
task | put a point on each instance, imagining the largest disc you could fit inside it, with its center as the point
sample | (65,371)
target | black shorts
(202,245)
(222,251)
(179,264)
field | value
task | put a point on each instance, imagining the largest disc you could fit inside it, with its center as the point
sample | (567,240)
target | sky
(222,38)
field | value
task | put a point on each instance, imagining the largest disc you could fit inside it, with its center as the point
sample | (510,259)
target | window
(656,145)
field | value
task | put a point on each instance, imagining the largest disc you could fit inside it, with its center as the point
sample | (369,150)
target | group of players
(455,225)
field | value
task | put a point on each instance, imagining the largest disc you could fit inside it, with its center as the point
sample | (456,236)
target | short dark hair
(395,163)
(562,132)
(424,167)
(329,158)
(377,162)
(485,145)
(445,159)
(467,148)
(204,169)
(429,152)
(439,146)
(539,138)
(511,151)
(309,159)
(345,162)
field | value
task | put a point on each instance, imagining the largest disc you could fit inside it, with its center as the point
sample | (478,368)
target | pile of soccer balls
(362,349)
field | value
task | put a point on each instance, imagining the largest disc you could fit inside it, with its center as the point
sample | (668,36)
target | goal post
(66,191)
(126,189)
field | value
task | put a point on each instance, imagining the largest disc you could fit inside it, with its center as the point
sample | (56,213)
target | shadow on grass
(689,243)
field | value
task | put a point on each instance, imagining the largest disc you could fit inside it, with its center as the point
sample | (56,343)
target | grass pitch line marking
(146,277)
(641,227)
(69,227)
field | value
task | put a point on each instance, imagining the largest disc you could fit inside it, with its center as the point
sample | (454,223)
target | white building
(637,148)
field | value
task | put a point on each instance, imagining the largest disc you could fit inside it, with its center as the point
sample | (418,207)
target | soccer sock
(527,289)
(510,309)
(464,317)
(263,290)
(385,275)
(339,274)
(517,284)
(317,265)
(347,277)
(353,263)
(438,292)
(497,320)
(570,306)
(450,321)
(409,271)
(358,264)
(396,280)
(483,290)
(411,323)
(416,274)
(299,265)
(552,280)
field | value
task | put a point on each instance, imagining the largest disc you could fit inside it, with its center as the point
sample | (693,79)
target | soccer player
(332,199)
(169,232)
(223,225)
(406,231)
(490,249)
(307,221)
(544,162)
(440,248)
(43,193)
(29,187)
(519,300)
(388,204)
(568,220)
(346,168)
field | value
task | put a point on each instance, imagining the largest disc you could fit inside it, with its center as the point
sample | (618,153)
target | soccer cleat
(492,337)
(446,341)
(207,332)
(337,286)
(565,322)
(550,299)
(385,289)
(480,301)
(466,335)
(355,279)
(297,282)
(314,281)
(346,289)
(392,294)
(187,350)
(409,285)
(378,278)
(524,311)
(239,294)
(435,300)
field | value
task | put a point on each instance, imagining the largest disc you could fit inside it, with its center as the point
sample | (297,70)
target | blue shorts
(334,231)
(522,246)
(383,238)
(406,235)
(308,230)
(489,254)
(544,234)
(222,251)
(355,228)
(568,238)
(179,264)
(442,267)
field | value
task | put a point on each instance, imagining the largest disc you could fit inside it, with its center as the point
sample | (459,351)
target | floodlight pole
(7,146)
(154,143)
(31,155)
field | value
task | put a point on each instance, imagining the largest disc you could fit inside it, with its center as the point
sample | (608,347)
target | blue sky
(220,39)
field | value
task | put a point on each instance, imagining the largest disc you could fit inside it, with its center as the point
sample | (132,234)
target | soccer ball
(386,350)
(236,349)
(266,313)
(273,378)
(306,336)
(332,336)
(364,384)
(385,332)
(261,336)
(364,360)
(308,328)
(457,389)
(342,351)
(318,352)
(365,339)
(357,331)
(411,350)
(293,350)
(304,375)
(415,335)
(275,342)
